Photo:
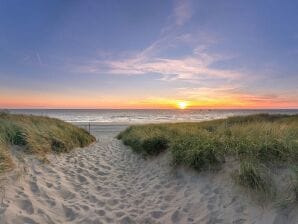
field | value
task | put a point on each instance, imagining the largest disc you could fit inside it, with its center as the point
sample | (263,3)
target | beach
(108,183)
(148,112)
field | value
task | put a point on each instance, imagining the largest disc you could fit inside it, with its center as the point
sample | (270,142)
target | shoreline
(132,117)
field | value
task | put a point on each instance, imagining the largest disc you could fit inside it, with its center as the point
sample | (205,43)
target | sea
(139,116)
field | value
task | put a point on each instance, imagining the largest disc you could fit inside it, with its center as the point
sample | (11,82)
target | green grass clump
(265,139)
(149,141)
(201,151)
(252,176)
(38,135)
(5,159)
(155,145)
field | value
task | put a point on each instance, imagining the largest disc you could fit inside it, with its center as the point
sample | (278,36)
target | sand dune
(107,183)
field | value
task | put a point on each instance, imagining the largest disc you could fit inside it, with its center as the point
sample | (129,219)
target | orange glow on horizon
(224,102)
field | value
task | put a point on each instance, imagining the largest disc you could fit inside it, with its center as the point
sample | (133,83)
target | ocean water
(140,116)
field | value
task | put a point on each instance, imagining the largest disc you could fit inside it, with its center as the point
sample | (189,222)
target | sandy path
(107,183)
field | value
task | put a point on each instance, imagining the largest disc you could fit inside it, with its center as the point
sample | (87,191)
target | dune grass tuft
(149,141)
(38,135)
(256,141)
(202,151)
(251,175)
(5,159)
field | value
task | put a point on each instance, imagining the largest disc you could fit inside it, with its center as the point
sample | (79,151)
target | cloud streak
(194,66)
(182,12)
(188,68)
(154,59)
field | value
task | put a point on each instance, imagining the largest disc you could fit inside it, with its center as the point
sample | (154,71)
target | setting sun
(182,105)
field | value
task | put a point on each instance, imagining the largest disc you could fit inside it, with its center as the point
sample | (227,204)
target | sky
(149,54)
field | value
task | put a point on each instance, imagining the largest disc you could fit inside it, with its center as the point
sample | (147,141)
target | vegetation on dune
(252,175)
(5,159)
(202,150)
(258,142)
(38,135)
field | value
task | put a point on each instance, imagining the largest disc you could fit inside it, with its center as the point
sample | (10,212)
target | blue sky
(135,54)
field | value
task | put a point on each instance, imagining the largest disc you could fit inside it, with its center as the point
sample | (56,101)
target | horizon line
(234,108)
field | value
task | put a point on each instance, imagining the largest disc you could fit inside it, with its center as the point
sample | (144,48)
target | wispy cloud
(158,59)
(193,66)
(32,58)
(188,68)
(39,59)
(182,12)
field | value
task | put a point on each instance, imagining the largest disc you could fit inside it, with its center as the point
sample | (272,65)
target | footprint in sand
(82,179)
(34,187)
(69,213)
(157,214)
(25,205)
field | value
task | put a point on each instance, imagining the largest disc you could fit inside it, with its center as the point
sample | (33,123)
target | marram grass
(256,141)
(38,135)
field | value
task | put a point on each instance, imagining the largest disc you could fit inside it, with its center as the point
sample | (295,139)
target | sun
(182,105)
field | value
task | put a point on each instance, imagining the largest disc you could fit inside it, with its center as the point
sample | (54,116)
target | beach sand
(108,183)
